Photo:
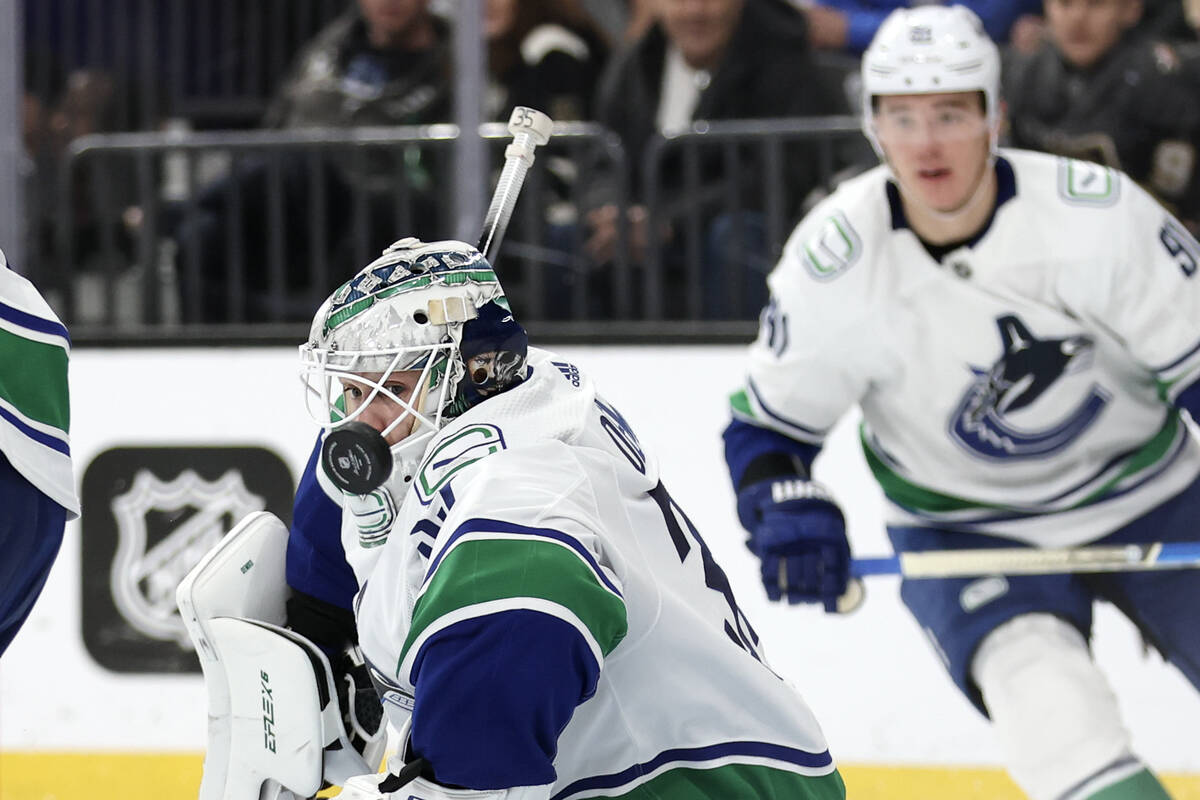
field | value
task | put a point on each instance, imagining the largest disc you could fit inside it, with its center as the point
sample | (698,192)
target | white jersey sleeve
(1148,295)
(35,409)
(822,322)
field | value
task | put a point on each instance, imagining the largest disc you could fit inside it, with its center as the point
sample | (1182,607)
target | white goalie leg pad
(1052,709)
(275,709)
(233,604)
(367,787)
(241,576)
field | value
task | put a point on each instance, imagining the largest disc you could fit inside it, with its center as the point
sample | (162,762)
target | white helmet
(929,50)
(420,306)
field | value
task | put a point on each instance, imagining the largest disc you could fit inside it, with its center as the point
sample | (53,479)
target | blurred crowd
(1114,81)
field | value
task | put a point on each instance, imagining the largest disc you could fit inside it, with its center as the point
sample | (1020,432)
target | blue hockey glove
(799,534)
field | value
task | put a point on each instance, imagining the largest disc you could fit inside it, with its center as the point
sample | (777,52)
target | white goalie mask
(387,348)
(931,50)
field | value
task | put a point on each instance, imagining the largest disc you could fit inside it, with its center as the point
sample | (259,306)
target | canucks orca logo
(1028,367)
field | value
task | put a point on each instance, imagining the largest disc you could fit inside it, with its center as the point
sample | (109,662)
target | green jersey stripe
(740,403)
(34,380)
(921,500)
(481,571)
(1150,454)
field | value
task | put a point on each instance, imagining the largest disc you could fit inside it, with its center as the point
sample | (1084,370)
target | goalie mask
(416,338)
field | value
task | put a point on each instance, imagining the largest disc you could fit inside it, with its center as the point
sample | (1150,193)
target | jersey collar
(1006,189)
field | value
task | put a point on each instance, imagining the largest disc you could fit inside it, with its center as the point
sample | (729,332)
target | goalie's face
(386,402)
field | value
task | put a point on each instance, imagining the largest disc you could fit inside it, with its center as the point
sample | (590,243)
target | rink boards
(93,702)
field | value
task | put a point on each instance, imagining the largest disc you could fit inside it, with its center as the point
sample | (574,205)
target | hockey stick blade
(529,128)
(1032,560)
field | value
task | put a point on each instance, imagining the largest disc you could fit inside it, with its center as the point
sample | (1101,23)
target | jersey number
(1180,246)
(683,533)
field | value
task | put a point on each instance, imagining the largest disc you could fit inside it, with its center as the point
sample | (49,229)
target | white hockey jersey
(34,401)
(543,500)
(1021,386)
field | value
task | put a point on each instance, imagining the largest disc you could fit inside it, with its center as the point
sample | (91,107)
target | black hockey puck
(356,458)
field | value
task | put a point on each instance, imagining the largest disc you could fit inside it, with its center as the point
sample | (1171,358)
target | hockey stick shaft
(1032,561)
(530,128)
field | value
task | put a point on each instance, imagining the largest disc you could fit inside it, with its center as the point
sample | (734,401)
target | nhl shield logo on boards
(149,515)
(144,577)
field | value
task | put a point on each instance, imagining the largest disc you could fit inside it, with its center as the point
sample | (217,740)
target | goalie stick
(530,128)
(1032,561)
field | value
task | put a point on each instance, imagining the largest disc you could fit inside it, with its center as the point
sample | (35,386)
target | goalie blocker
(277,729)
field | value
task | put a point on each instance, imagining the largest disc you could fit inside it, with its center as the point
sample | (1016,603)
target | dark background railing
(203,229)
(189,237)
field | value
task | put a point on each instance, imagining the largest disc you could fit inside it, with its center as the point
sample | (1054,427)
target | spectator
(621,20)
(546,54)
(720,59)
(384,62)
(1166,19)
(59,107)
(1094,90)
(850,24)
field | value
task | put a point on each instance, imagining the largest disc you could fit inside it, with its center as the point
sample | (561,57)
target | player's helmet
(436,307)
(929,50)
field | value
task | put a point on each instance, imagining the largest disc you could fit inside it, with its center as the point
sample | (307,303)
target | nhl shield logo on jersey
(1027,368)
(144,576)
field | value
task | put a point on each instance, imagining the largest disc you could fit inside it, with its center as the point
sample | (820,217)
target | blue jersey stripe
(499,526)
(33,323)
(1179,360)
(44,439)
(683,756)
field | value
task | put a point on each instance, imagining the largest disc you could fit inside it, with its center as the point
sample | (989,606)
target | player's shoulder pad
(833,237)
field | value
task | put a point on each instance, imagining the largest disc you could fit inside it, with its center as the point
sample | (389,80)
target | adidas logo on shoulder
(569,371)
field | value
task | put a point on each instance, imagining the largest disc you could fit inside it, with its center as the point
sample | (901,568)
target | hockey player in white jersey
(1022,334)
(540,617)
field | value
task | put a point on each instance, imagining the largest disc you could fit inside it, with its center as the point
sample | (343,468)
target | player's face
(382,411)
(391,19)
(937,144)
(1084,30)
(700,28)
(498,17)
